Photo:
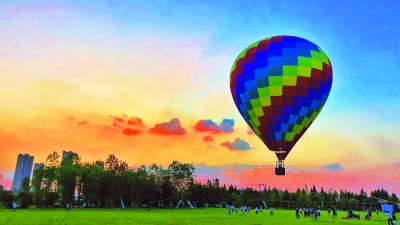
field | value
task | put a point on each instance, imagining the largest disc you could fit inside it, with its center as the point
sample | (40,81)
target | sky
(148,81)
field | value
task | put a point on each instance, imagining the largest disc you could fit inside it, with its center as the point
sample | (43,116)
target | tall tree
(25,197)
(37,186)
(52,160)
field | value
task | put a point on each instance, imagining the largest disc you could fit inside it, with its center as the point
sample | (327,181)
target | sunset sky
(148,81)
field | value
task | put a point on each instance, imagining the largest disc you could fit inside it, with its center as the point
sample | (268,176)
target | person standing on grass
(297,213)
(389,217)
(394,218)
(67,207)
(271,211)
(14,206)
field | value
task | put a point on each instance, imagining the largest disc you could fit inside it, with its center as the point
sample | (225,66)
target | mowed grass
(208,216)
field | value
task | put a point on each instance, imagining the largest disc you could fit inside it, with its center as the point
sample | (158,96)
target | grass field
(170,216)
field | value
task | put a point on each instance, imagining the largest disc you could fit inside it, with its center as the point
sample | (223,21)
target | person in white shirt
(389,217)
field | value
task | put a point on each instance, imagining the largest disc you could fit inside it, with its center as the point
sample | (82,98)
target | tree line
(106,183)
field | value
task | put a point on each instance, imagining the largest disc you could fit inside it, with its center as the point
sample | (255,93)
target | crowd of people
(315,213)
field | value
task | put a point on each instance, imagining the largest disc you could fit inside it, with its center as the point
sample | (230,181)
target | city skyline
(203,174)
(149,82)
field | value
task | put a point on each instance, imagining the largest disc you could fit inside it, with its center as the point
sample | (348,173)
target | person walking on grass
(297,213)
(67,207)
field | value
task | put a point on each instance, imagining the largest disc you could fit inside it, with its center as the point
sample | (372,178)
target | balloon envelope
(279,85)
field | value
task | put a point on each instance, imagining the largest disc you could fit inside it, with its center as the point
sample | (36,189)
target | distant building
(66,154)
(37,166)
(22,169)
(100,164)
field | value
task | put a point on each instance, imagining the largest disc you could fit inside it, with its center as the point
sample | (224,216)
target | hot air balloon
(279,85)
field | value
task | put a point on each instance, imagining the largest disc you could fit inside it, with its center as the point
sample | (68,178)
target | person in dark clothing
(394,218)
(297,213)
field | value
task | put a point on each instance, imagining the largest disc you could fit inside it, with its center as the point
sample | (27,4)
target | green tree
(25,197)
(7,198)
(286,195)
(235,199)
(52,160)
(37,186)
(249,197)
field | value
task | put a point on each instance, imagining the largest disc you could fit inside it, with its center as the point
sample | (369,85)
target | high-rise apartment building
(22,169)
(66,154)
(37,166)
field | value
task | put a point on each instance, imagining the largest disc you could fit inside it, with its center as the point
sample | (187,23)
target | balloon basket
(280,171)
(280,168)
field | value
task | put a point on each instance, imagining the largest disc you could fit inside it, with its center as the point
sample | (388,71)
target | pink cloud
(172,127)
(238,144)
(250,132)
(226,126)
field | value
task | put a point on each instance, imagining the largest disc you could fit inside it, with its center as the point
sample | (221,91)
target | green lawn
(169,216)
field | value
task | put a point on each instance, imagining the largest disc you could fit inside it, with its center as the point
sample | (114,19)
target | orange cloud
(117,121)
(83,122)
(131,132)
(208,139)
(135,121)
